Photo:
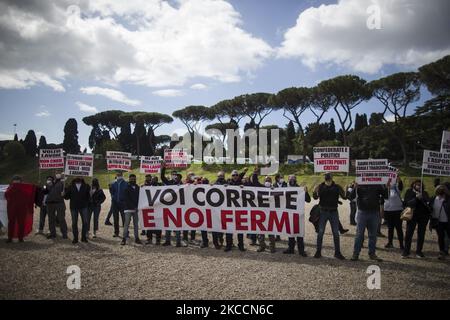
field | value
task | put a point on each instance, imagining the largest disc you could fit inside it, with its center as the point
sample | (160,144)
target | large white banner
(372,171)
(81,165)
(3,208)
(331,159)
(445,143)
(230,209)
(51,159)
(436,163)
(116,160)
(150,165)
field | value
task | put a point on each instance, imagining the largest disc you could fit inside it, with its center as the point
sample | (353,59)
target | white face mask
(281,181)
(267,184)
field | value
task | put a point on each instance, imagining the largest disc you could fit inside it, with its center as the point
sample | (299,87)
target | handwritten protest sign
(51,159)
(150,165)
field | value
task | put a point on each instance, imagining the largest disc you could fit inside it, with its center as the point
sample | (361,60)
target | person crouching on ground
(292,182)
(368,202)
(131,197)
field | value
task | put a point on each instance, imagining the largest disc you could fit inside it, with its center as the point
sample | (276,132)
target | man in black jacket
(368,203)
(131,198)
(329,192)
(79,194)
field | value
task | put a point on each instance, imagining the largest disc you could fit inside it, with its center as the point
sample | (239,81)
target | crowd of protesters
(369,204)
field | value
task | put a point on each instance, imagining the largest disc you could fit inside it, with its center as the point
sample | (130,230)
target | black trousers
(217,238)
(205,239)
(157,233)
(443,229)
(421,224)
(229,240)
(352,212)
(394,223)
(118,209)
(300,244)
(186,235)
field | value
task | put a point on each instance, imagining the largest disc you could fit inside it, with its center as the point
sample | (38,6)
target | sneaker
(389,246)
(40,232)
(344,231)
(51,237)
(107,223)
(158,243)
(405,255)
(115,235)
(318,255)
(124,242)
(65,237)
(375,257)
(217,246)
(94,236)
(85,240)
(138,241)
(204,245)
(74,241)
(253,243)
(354,257)
(339,256)
(288,251)
(166,244)
(184,244)
(242,249)
(420,255)
(227,249)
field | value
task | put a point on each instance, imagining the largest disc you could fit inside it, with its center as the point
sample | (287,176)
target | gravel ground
(37,268)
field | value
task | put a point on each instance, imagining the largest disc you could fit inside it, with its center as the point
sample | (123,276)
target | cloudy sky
(72,58)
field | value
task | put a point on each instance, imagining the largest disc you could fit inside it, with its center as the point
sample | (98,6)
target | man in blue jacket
(118,201)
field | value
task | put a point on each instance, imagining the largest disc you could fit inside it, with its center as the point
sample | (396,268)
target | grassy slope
(28,169)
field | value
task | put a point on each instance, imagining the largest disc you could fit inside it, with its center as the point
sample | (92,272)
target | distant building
(297,159)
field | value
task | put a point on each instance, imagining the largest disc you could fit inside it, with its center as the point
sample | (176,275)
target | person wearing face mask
(328,193)
(417,198)
(218,236)
(95,205)
(440,208)
(262,238)
(393,208)
(174,181)
(190,179)
(43,204)
(236,180)
(279,183)
(368,203)
(292,182)
(79,194)
(56,208)
(131,199)
(118,201)
(151,182)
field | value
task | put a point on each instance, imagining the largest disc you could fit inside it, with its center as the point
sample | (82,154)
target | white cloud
(168,93)
(43,114)
(86,108)
(154,43)
(199,86)
(413,33)
(6,136)
(112,94)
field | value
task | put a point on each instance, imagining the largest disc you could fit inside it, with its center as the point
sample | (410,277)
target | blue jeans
(370,220)
(128,215)
(84,213)
(333,217)
(96,212)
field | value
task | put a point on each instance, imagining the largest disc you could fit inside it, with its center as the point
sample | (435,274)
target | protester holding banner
(218,236)
(79,193)
(97,197)
(131,199)
(328,193)
(292,182)
(118,202)
(236,180)
(151,181)
(190,179)
(20,199)
(393,208)
(417,198)
(368,203)
(440,208)
(174,181)
(56,208)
